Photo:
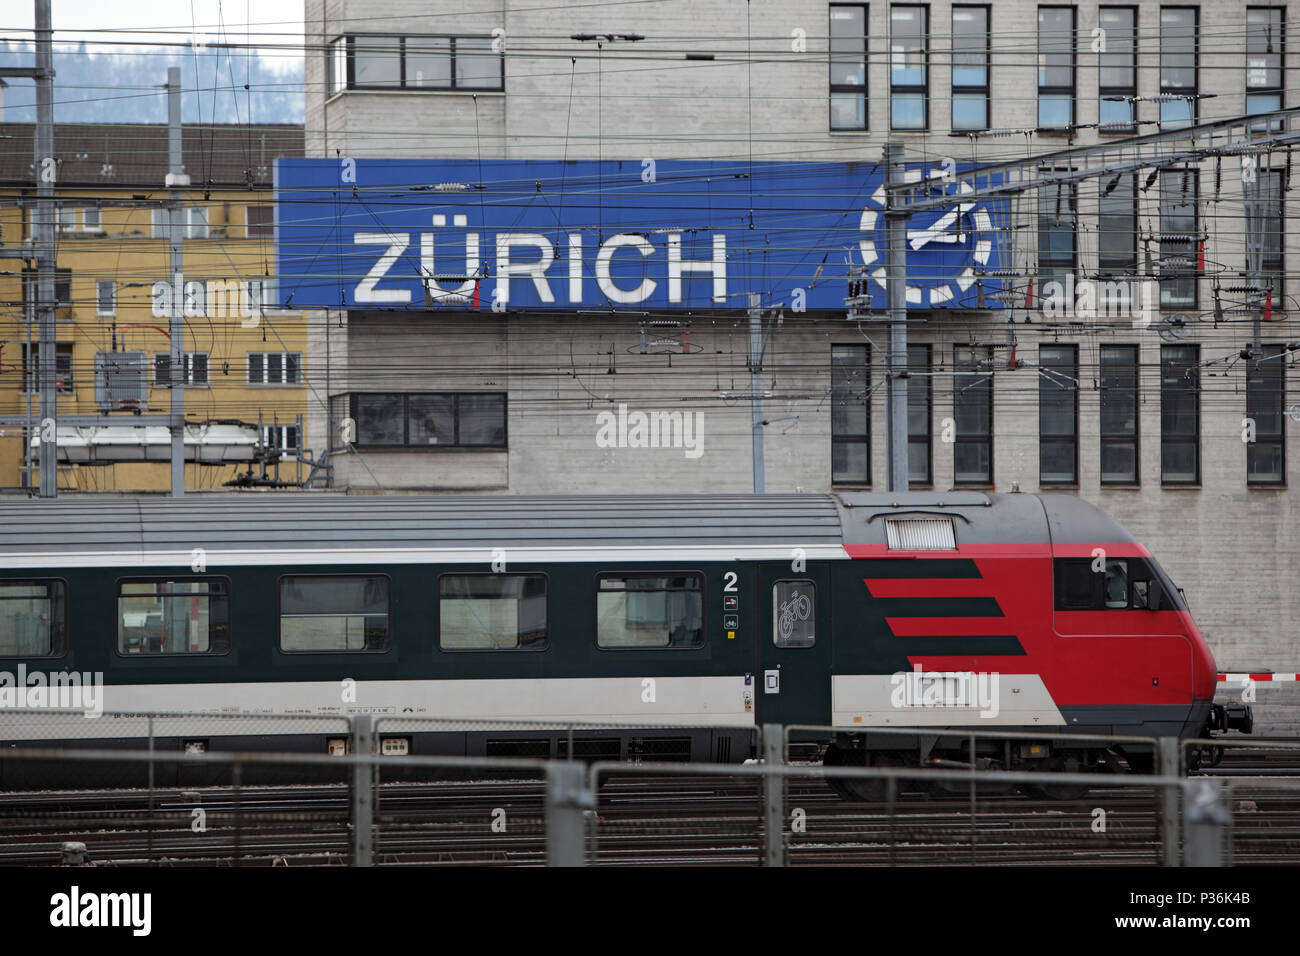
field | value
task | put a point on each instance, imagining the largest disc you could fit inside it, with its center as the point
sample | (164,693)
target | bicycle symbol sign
(798,608)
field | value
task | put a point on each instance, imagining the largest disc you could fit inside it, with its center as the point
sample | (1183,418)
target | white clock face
(962,234)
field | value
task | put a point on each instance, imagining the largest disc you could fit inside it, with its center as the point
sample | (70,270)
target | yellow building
(245,400)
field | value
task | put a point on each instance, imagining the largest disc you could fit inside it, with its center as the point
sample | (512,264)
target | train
(678,623)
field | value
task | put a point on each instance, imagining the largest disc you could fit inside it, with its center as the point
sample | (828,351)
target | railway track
(641,819)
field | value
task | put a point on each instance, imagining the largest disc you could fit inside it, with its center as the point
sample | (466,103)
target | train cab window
(650,610)
(794,613)
(33,619)
(334,613)
(1125,584)
(1117,584)
(173,616)
(491,612)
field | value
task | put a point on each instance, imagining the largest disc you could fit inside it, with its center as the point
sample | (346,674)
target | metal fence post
(567,797)
(1171,765)
(773,795)
(1208,819)
(363,808)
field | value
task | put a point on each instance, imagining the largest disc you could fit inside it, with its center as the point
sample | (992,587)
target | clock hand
(938,231)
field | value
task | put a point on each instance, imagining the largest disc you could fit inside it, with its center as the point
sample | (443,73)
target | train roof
(264,527)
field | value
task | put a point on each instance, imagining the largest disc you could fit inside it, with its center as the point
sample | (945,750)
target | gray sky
(161,21)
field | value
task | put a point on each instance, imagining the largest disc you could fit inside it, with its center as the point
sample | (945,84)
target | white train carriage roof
(327,528)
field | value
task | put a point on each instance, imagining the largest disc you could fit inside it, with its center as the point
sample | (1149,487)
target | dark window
(1179,240)
(430,420)
(1265,59)
(1178,39)
(196,369)
(848,61)
(850,415)
(1055,67)
(259,222)
(334,613)
(478,612)
(416,63)
(919,415)
(1269,215)
(794,613)
(1117,229)
(63,381)
(1058,414)
(973,415)
(1117,72)
(173,616)
(1265,400)
(1180,414)
(1119,414)
(650,610)
(33,618)
(909,70)
(273,368)
(284,437)
(1117,584)
(970,67)
(62,291)
(1057,229)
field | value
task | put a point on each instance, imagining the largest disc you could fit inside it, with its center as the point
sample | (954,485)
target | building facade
(114,293)
(1104,347)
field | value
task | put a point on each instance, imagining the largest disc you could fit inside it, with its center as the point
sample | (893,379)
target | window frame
(406,425)
(350,47)
(99,297)
(813,614)
(1109,264)
(1066,197)
(1274,355)
(844,89)
(1278,90)
(1167,287)
(174,655)
(1115,438)
(863,439)
(704,609)
(1167,88)
(1111,89)
(189,371)
(437,615)
(911,89)
(58,636)
(1195,439)
(1045,385)
(248,370)
(31,368)
(279,613)
(1055,90)
(978,354)
(927,382)
(967,89)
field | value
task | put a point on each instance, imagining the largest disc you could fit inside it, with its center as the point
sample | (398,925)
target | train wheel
(860,791)
(1058,791)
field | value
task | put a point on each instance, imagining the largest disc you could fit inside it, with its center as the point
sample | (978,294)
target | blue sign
(626,236)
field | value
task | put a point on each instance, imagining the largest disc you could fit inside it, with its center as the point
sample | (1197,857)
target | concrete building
(114,299)
(1154,414)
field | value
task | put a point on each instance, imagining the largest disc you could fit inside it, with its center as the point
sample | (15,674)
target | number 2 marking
(731,578)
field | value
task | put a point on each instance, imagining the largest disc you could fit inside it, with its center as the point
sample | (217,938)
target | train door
(793,645)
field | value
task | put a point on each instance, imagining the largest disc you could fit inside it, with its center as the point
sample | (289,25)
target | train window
(794,613)
(479,612)
(1077,585)
(33,619)
(334,613)
(173,616)
(1140,591)
(650,610)
(1117,584)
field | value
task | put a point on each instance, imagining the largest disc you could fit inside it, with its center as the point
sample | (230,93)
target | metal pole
(1171,765)
(363,808)
(1207,822)
(773,796)
(176,178)
(566,798)
(756,388)
(46,171)
(896,289)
